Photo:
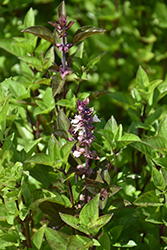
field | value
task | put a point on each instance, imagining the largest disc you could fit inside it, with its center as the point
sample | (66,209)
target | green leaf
(158,179)
(164,239)
(153,85)
(90,212)
(66,103)
(161,162)
(162,128)
(66,150)
(78,242)
(115,232)
(93,60)
(41,32)
(63,122)
(104,242)
(122,97)
(148,199)
(155,218)
(3,114)
(130,243)
(32,145)
(40,159)
(108,135)
(26,193)
(145,149)
(37,238)
(99,223)
(153,117)
(106,176)
(79,51)
(31,60)
(142,78)
(111,125)
(8,45)
(74,222)
(157,142)
(118,203)
(84,32)
(56,240)
(29,21)
(129,137)
(43,46)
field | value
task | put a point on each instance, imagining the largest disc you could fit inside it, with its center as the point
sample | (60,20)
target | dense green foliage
(68,181)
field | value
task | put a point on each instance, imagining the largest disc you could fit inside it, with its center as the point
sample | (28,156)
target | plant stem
(64,56)
(71,194)
(79,85)
(28,231)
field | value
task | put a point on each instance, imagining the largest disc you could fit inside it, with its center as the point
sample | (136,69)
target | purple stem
(64,56)
(87,167)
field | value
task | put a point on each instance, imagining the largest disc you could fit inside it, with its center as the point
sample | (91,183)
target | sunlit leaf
(148,199)
(84,32)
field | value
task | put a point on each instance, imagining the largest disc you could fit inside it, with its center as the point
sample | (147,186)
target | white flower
(96,119)
(76,119)
(79,152)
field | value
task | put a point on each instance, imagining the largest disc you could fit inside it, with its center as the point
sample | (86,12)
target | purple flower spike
(82,128)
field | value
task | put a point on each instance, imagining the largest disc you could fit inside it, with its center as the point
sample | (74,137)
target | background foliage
(129,180)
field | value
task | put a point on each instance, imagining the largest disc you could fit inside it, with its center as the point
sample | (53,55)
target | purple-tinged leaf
(61,133)
(61,9)
(63,122)
(41,32)
(57,84)
(70,24)
(56,240)
(85,32)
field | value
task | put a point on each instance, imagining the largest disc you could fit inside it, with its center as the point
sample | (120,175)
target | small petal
(96,119)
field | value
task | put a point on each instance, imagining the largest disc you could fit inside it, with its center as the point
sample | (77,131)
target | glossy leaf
(41,32)
(158,179)
(61,9)
(148,199)
(90,212)
(85,32)
(74,222)
(99,223)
